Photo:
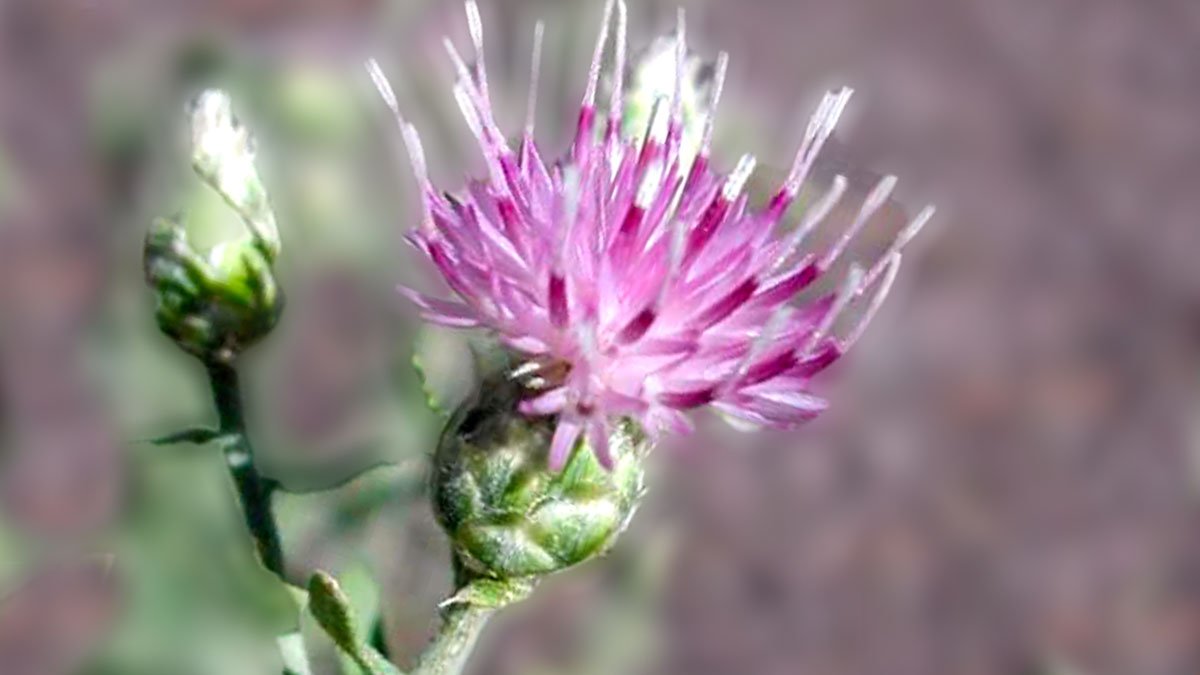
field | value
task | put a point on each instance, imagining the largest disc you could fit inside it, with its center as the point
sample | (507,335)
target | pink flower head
(635,281)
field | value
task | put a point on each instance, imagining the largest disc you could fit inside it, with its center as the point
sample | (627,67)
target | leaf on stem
(331,608)
(491,593)
(446,368)
(196,435)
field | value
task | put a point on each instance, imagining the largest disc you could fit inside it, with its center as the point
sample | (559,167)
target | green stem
(254,490)
(379,637)
(451,647)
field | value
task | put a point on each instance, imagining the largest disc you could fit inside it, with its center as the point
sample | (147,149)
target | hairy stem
(254,490)
(451,647)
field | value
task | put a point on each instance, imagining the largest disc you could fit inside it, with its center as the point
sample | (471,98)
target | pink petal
(778,413)
(545,404)
(728,304)
(637,327)
(669,419)
(687,399)
(442,312)
(563,442)
(825,356)
(598,438)
(787,287)
(769,368)
(557,300)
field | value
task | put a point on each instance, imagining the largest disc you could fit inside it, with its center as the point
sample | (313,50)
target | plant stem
(379,637)
(451,647)
(254,490)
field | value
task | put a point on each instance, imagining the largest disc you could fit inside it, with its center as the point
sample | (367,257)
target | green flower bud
(507,514)
(216,303)
(213,306)
(652,79)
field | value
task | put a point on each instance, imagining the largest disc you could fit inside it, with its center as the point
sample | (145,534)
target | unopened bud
(218,302)
(652,79)
(508,515)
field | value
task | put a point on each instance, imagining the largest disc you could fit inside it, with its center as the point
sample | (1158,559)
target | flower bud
(216,303)
(508,515)
(652,79)
(213,306)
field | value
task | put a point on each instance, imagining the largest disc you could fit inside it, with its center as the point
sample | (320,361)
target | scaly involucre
(634,280)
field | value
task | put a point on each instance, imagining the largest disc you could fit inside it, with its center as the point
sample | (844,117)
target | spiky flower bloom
(636,282)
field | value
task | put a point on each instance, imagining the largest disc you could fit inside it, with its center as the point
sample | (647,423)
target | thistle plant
(215,304)
(630,283)
(626,286)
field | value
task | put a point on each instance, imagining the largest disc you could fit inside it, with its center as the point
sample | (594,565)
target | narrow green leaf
(331,608)
(197,435)
(272,605)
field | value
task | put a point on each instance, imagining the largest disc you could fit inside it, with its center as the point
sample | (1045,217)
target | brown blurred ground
(1008,476)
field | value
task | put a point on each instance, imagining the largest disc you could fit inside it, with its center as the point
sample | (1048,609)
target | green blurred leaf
(272,602)
(330,606)
(331,476)
(445,363)
(431,396)
(315,105)
(295,658)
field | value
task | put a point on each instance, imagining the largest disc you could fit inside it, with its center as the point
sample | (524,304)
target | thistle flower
(634,282)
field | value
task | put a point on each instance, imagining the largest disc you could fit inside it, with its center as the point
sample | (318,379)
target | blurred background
(1007,481)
